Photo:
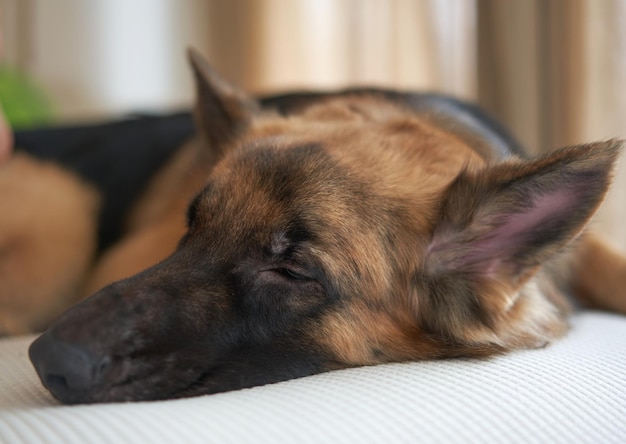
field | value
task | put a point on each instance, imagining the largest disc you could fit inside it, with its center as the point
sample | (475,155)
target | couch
(573,391)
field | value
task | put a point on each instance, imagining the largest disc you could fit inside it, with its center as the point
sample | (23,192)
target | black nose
(69,371)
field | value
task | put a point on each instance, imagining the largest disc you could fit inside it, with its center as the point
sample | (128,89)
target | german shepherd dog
(325,231)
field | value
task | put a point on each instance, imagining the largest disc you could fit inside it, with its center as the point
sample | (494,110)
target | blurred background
(553,71)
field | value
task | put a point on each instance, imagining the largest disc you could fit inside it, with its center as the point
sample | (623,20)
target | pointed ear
(496,227)
(504,221)
(222,111)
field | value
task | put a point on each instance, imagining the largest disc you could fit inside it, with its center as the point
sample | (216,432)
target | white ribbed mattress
(573,391)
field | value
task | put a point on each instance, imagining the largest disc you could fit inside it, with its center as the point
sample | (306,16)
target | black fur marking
(258,365)
(192,209)
(118,158)
(284,183)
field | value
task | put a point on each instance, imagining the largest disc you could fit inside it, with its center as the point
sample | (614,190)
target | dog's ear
(222,111)
(509,217)
(496,227)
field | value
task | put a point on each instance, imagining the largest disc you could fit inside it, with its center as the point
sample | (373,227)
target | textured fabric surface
(573,391)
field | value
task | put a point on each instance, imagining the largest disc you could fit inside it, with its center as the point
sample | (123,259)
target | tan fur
(355,137)
(356,132)
(599,275)
(47,242)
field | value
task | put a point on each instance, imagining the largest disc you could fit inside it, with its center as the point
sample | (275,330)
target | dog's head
(348,232)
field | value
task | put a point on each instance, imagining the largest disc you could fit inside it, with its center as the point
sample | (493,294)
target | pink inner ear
(543,207)
(519,217)
(515,228)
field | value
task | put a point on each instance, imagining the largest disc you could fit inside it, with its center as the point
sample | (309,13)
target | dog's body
(334,230)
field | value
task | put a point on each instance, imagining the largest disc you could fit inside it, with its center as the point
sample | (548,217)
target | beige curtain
(271,45)
(554,71)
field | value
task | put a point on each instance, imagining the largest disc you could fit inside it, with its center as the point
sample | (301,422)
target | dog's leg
(599,275)
(47,242)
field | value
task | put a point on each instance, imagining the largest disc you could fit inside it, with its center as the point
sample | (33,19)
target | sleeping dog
(310,232)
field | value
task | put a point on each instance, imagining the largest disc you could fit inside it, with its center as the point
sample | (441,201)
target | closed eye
(291,274)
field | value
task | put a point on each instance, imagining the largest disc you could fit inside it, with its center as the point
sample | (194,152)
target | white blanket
(573,391)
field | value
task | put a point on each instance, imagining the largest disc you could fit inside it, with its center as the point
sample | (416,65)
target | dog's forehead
(338,164)
(279,168)
(383,144)
(270,188)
